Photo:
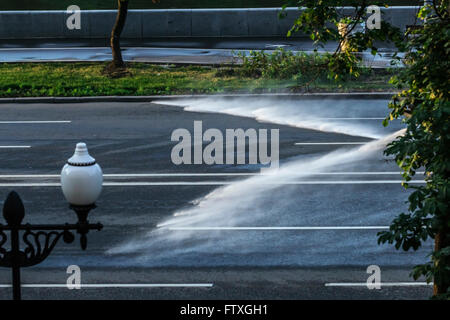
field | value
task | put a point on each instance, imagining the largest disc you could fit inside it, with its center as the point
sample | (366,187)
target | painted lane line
(361,118)
(137,175)
(149,175)
(214,183)
(51,49)
(34,122)
(15,147)
(383,284)
(329,143)
(119,285)
(206,183)
(132,175)
(274,228)
(29,176)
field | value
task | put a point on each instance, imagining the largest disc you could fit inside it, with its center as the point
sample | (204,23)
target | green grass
(147,4)
(86,79)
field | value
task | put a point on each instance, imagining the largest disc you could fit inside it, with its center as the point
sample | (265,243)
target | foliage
(281,64)
(307,70)
(325,21)
(425,108)
(426,143)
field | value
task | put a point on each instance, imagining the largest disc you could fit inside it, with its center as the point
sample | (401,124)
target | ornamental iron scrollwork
(39,240)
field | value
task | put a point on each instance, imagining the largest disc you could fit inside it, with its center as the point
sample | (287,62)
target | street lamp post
(81,183)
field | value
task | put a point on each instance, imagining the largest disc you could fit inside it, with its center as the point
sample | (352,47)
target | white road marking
(143,175)
(312,119)
(149,175)
(213,183)
(45,49)
(34,122)
(15,147)
(275,228)
(119,285)
(328,143)
(130,175)
(383,284)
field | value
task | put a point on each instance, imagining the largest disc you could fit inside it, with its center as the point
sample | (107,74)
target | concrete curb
(324,95)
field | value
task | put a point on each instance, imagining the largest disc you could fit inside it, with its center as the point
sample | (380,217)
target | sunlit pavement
(177,51)
(334,214)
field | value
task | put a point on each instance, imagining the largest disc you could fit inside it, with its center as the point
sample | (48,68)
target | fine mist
(350,116)
(275,200)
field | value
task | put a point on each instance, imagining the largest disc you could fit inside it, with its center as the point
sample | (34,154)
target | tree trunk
(117,31)
(441,242)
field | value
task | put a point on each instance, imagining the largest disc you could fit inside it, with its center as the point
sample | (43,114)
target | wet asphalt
(134,138)
(208,51)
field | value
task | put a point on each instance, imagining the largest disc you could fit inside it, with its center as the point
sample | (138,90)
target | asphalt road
(293,234)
